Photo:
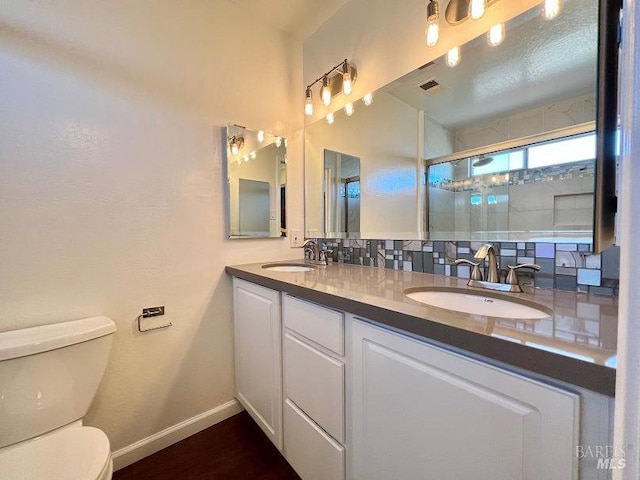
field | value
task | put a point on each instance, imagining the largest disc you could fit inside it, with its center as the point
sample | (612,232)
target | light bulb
(252,155)
(278,141)
(367,99)
(308,103)
(476,9)
(286,143)
(325,93)
(234,147)
(453,57)
(433,19)
(346,79)
(348,109)
(330,118)
(552,8)
(496,35)
(245,158)
(260,136)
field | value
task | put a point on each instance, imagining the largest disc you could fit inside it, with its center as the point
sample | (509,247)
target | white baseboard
(156,442)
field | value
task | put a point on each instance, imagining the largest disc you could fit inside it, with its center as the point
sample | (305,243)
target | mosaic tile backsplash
(567,266)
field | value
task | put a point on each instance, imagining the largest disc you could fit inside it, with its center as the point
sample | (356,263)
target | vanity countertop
(577,344)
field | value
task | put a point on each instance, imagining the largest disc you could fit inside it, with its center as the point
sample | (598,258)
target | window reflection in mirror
(341,194)
(540,191)
(256,173)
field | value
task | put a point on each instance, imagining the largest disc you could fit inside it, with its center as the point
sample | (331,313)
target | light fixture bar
(331,85)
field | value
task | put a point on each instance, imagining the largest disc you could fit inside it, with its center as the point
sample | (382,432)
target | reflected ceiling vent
(426,65)
(430,85)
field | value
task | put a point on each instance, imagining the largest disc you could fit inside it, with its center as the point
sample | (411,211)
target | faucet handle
(324,256)
(476,273)
(512,277)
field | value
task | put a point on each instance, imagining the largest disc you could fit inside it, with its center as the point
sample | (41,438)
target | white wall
(111,188)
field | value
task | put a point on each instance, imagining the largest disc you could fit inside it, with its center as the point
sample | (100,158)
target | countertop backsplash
(564,266)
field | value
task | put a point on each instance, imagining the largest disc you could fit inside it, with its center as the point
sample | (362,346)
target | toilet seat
(73,453)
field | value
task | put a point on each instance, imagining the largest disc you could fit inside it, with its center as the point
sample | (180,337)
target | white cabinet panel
(258,355)
(315,382)
(322,325)
(310,451)
(419,412)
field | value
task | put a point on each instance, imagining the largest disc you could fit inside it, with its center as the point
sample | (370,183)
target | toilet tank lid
(29,341)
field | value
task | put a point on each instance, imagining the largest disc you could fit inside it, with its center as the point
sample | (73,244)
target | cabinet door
(258,355)
(421,412)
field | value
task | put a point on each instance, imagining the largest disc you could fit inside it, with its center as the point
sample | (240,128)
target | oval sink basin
(477,303)
(289,267)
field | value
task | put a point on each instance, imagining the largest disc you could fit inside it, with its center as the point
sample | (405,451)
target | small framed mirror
(256,171)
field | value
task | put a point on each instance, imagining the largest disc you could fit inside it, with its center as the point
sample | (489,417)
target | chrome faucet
(483,252)
(317,256)
(492,282)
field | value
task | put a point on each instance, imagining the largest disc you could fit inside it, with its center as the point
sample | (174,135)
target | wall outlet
(296,238)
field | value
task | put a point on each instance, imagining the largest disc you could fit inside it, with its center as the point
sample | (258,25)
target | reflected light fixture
(477,8)
(348,109)
(252,155)
(235,144)
(260,136)
(433,20)
(453,57)
(278,141)
(552,8)
(330,118)
(245,158)
(339,79)
(496,35)
(308,103)
(367,99)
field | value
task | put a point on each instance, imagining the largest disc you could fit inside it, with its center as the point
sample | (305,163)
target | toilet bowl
(48,378)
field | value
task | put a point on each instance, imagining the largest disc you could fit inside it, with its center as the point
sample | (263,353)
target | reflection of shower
(482,161)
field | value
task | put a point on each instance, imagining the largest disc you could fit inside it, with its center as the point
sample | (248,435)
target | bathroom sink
(478,303)
(289,267)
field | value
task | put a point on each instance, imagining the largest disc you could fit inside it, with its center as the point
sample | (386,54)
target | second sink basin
(478,303)
(289,267)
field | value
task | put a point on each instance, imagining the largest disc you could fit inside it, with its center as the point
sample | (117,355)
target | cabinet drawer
(322,325)
(315,382)
(310,451)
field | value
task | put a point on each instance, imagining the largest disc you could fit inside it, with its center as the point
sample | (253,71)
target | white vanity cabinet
(314,383)
(421,412)
(258,355)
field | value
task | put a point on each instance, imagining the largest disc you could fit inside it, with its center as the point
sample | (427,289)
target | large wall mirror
(256,167)
(500,146)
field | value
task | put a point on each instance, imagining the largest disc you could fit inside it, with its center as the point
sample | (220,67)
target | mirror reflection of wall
(383,136)
(341,193)
(256,169)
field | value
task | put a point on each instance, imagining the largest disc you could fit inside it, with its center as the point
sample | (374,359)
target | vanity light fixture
(367,99)
(552,8)
(308,103)
(236,142)
(342,82)
(495,36)
(325,92)
(453,57)
(330,118)
(348,109)
(260,136)
(433,23)
(477,8)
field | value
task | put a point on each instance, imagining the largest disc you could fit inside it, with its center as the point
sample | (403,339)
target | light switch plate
(296,238)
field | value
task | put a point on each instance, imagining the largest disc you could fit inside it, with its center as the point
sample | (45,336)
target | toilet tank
(50,374)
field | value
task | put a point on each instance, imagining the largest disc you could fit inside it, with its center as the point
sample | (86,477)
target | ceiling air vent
(430,85)
(426,65)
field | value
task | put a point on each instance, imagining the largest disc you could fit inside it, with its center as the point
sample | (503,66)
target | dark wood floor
(234,449)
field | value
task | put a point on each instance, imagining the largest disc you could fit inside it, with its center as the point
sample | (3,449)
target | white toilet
(48,378)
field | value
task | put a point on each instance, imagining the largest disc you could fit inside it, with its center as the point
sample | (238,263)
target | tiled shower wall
(563,266)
